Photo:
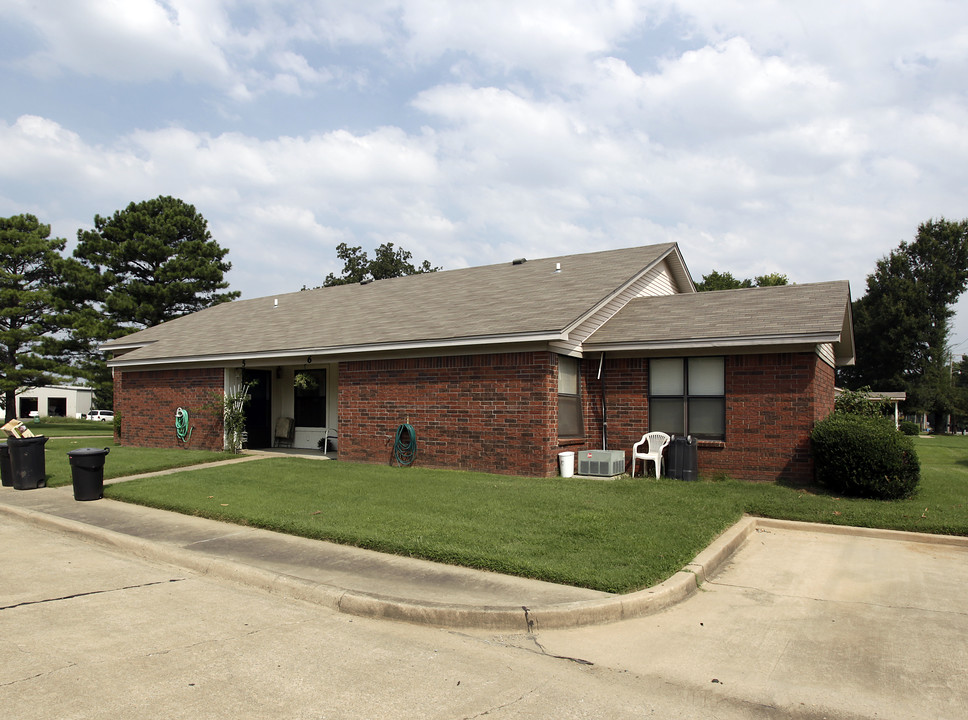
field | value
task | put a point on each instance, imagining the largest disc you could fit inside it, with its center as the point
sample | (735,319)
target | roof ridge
(776,287)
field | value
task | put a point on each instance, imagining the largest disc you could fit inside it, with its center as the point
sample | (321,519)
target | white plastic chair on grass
(656,443)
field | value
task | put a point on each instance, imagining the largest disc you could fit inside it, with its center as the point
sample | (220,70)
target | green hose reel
(405,444)
(182,429)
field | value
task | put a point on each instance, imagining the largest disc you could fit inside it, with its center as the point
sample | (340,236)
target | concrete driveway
(796,624)
(809,624)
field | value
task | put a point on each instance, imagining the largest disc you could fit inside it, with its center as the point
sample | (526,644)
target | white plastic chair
(657,442)
(331,434)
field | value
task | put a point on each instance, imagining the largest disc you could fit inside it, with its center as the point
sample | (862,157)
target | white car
(101,415)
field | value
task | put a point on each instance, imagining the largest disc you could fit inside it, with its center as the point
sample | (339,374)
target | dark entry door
(258,414)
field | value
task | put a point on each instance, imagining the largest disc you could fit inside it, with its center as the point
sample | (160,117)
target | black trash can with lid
(682,461)
(6,474)
(27,462)
(87,472)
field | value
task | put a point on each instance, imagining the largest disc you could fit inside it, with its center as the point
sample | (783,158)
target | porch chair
(285,426)
(657,442)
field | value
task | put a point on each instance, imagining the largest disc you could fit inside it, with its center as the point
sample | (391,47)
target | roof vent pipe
(557,267)
(275,302)
(519,261)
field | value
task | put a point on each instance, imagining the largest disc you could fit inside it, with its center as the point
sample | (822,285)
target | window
(687,396)
(310,398)
(569,401)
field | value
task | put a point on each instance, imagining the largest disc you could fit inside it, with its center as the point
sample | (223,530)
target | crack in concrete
(545,652)
(91,592)
(501,707)
(38,675)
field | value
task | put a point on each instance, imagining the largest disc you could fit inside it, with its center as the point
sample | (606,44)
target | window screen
(569,399)
(310,399)
(687,396)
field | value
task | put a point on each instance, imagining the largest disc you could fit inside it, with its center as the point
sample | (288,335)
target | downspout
(601,363)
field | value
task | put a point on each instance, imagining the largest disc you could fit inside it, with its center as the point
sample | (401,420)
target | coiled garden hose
(182,431)
(405,444)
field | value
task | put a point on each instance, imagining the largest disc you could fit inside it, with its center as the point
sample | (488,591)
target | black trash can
(6,474)
(682,462)
(87,472)
(27,462)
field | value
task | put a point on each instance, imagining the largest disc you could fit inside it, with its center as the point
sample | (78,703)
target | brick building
(500,368)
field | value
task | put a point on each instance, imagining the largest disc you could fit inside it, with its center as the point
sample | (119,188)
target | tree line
(156,260)
(902,324)
(151,262)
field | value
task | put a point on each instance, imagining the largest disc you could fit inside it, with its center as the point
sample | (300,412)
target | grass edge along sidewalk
(616,536)
(122,460)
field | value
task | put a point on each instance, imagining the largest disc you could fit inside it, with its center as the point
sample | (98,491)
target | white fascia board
(681,272)
(104,347)
(712,343)
(571,349)
(322,353)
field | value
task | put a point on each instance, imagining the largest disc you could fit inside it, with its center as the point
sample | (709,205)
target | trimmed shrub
(909,428)
(864,457)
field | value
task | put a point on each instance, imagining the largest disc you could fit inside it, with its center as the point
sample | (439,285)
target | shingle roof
(811,313)
(494,301)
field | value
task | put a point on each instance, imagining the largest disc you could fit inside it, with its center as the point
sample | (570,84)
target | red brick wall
(626,383)
(147,402)
(772,403)
(496,413)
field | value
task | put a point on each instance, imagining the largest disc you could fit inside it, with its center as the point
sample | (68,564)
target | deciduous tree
(725,281)
(386,263)
(902,323)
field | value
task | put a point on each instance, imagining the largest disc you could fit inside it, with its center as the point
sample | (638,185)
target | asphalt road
(801,625)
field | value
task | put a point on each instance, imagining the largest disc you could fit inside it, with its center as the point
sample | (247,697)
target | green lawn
(616,535)
(62,427)
(121,460)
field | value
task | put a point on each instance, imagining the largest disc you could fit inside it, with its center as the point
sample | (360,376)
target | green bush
(910,428)
(864,457)
(857,402)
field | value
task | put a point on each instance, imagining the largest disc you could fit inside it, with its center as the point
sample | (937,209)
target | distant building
(55,401)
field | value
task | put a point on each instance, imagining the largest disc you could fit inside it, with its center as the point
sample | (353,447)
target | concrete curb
(504,618)
(518,618)
(874,533)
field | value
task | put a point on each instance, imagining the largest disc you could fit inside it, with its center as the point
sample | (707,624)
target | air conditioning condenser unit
(601,463)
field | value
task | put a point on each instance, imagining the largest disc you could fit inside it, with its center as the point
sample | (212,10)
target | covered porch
(291,406)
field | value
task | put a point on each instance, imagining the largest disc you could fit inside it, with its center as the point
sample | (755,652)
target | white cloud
(550,39)
(304,194)
(129,40)
(802,138)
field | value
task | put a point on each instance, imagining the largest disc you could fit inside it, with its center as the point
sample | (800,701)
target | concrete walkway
(370,584)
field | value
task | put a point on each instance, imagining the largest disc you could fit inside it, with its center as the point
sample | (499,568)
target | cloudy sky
(803,137)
